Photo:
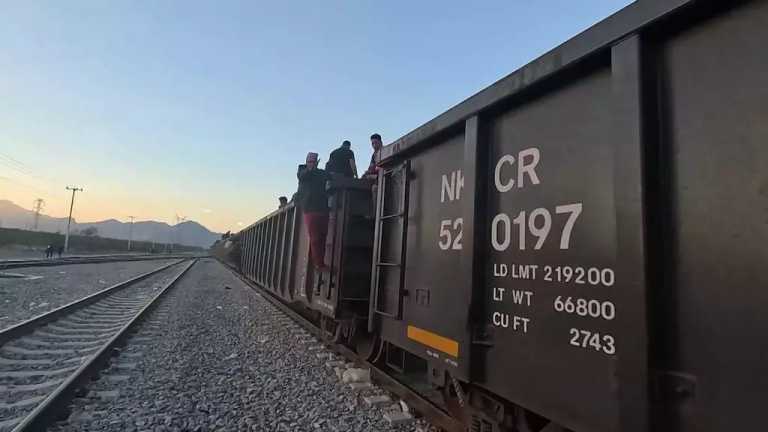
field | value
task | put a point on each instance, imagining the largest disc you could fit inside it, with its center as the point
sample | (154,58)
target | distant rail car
(275,254)
(580,246)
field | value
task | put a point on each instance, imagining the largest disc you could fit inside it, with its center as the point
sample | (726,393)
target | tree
(91,231)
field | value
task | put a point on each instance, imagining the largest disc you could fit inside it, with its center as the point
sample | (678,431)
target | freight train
(580,246)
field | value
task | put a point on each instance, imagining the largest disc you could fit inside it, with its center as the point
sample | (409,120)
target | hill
(188,233)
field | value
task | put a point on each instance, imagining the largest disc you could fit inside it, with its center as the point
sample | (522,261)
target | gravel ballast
(35,364)
(216,356)
(45,288)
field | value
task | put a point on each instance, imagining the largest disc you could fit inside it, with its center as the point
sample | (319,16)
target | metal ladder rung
(386,314)
(386,264)
(395,215)
(355,299)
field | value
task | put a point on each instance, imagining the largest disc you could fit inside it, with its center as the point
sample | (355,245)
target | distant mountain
(13,216)
(187,233)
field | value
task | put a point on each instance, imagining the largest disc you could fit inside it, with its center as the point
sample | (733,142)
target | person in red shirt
(313,200)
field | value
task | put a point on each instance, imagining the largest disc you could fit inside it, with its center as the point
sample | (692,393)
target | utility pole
(37,207)
(169,245)
(69,221)
(179,219)
(130,232)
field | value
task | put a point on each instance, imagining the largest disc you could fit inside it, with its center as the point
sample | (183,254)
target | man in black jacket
(313,200)
(342,161)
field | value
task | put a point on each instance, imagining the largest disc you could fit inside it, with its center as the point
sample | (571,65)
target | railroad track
(10,264)
(436,415)
(45,360)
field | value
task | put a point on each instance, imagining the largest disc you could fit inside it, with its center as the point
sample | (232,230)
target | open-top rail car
(580,246)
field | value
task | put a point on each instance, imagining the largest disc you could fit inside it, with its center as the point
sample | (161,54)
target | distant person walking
(49,252)
(342,161)
(60,250)
(313,200)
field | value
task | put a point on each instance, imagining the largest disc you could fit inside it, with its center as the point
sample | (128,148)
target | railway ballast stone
(187,378)
(377,400)
(356,375)
(396,418)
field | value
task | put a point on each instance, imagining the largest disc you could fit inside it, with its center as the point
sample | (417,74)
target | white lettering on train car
(451,230)
(520,232)
(537,224)
(498,294)
(502,320)
(521,297)
(452,188)
(527,160)
(524,271)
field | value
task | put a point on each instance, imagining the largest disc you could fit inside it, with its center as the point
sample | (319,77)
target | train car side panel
(551,280)
(712,325)
(422,308)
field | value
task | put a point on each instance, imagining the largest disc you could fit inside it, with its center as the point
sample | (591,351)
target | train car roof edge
(268,215)
(629,19)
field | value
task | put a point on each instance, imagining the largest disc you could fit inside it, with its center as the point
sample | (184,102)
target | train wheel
(526,421)
(456,403)
(332,330)
(339,335)
(368,346)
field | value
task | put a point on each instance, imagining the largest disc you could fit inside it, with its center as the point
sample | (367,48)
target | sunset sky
(204,108)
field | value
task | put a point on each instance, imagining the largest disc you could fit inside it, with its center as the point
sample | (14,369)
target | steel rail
(11,264)
(436,415)
(49,410)
(30,325)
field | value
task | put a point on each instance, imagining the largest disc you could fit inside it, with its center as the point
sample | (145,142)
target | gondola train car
(580,246)
(228,250)
(275,255)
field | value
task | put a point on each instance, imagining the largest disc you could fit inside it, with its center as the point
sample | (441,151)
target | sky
(204,108)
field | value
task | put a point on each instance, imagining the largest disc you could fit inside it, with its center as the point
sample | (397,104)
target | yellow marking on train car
(432,340)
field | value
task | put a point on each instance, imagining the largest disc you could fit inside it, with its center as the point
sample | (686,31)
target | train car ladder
(402,172)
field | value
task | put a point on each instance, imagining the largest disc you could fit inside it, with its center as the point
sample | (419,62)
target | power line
(18,166)
(24,185)
(46,191)
(14,160)
(23,169)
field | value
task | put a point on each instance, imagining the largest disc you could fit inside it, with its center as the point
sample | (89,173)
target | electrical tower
(37,207)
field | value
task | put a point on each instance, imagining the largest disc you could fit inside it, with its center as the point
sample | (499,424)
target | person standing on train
(342,161)
(313,200)
(372,173)
(373,169)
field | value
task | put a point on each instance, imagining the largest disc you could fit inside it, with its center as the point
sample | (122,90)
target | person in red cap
(313,200)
